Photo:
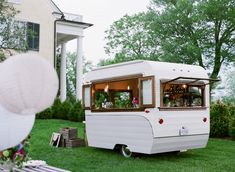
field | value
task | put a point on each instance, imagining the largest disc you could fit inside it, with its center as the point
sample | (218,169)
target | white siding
(40,12)
(179,143)
(106,131)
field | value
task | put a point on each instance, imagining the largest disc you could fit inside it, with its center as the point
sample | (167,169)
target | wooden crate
(62,142)
(69,133)
(75,143)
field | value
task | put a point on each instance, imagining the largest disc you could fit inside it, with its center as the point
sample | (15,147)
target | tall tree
(131,38)
(195,31)
(198,32)
(230,88)
(12,33)
(71,73)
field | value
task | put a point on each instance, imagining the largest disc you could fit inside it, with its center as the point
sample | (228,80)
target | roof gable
(55,8)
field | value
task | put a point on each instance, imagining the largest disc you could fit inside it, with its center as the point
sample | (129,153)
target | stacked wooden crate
(69,138)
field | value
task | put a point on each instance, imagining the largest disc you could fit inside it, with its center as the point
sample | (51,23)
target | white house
(52,28)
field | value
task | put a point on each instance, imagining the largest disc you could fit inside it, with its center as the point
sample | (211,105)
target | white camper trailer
(147,107)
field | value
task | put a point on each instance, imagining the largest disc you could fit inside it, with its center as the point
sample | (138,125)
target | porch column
(79,70)
(63,73)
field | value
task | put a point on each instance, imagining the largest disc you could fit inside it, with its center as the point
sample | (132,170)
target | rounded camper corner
(111,131)
(182,143)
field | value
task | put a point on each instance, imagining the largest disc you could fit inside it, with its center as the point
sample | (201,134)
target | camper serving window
(182,95)
(128,94)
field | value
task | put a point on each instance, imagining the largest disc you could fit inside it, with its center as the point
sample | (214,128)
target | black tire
(125,151)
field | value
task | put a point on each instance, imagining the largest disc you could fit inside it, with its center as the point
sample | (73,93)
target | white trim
(69,28)
(63,73)
(14,1)
(55,7)
(79,70)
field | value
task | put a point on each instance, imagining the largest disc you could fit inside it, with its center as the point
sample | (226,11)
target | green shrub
(46,114)
(56,109)
(67,110)
(232,130)
(220,121)
(232,111)
(76,112)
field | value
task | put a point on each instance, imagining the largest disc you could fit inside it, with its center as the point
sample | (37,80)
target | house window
(33,30)
(182,95)
(123,95)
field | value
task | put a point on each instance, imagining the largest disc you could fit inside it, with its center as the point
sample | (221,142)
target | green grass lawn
(218,156)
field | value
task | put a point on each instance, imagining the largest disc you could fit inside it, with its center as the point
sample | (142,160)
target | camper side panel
(169,144)
(106,131)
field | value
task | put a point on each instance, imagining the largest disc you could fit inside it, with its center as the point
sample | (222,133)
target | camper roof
(161,70)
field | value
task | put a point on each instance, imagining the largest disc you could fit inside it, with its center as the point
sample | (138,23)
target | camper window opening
(182,96)
(122,95)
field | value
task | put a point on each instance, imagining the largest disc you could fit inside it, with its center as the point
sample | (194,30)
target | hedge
(67,110)
(220,120)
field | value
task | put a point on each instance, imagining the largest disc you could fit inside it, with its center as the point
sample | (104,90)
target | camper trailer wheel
(125,151)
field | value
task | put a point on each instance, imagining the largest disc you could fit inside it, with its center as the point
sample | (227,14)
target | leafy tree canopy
(198,32)
(230,88)
(131,38)
(12,33)
(71,71)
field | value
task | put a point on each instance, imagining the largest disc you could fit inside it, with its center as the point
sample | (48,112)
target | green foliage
(230,88)
(100,98)
(56,110)
(130,38)
(76,112)
(67,110)
(220,120)
(183,31)
(232,131)
(71,71)
(16,155)
(122,100)
(196,32)
(12,32)
(46,114)
(2,57)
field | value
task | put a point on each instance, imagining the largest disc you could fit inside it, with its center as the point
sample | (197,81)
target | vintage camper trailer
(147,107)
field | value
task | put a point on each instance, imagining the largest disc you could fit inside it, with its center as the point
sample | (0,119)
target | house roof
(63,18)
(83,24)
(56,8)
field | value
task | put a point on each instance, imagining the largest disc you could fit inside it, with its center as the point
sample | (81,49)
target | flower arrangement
(16,156)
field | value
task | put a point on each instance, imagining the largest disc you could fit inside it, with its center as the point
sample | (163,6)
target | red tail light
(161,121)
(204,119)
(147,110)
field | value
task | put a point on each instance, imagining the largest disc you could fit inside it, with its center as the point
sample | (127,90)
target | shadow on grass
(159,156)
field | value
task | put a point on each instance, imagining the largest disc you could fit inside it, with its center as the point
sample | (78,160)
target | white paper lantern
(14,128)
(28,84)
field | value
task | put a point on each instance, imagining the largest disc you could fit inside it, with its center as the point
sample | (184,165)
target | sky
(101,13)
